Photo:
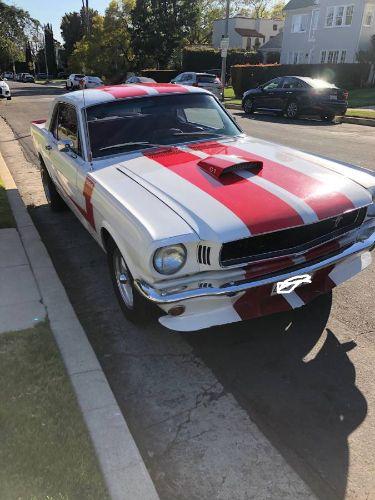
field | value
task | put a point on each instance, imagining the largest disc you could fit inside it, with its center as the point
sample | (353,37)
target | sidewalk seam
(121,463)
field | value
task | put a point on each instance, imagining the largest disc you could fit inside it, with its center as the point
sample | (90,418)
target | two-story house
(326,31)
(245,32)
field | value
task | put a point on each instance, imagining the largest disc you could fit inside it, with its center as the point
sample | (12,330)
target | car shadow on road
(296,381)
(303,120)
(39,90)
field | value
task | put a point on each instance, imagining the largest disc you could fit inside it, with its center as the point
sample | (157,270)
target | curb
(233,106)
(122,466)
(370,122)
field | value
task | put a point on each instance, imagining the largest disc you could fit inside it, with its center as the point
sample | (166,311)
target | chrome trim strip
(162,296)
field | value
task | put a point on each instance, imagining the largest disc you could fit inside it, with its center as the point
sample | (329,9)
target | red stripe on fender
(325,202)
(260,210)
(88,214)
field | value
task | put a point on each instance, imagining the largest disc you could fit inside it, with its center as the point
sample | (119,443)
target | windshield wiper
(131,145)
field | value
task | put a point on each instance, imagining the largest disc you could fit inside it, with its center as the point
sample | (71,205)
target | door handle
(48,147)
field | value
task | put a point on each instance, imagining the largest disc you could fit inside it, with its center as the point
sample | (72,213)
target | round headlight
(169,260)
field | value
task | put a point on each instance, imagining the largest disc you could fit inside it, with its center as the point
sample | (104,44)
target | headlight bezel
(162,267)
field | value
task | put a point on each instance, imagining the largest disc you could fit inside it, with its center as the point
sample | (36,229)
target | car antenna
(89,152)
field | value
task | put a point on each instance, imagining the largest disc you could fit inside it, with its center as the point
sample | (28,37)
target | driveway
(236,412)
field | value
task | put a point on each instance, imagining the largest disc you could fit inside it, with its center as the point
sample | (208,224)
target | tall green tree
(73,26)
(160,27)
(50,49)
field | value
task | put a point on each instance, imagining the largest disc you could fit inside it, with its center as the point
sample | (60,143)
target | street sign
(224,43)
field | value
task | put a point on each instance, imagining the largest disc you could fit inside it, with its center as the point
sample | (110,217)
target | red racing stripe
(259,210)
(259,302)
(122,91)
(166,88)
(325,202)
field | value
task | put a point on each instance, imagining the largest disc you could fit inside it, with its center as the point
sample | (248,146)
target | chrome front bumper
(170,295)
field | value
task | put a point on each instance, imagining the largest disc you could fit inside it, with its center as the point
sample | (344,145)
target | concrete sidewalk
(30,291)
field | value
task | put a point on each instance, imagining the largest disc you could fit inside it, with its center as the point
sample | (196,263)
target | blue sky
(51,11)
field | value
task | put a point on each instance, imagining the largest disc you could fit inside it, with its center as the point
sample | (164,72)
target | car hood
(228,190)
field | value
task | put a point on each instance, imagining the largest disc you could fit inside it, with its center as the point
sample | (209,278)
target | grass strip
(45,448)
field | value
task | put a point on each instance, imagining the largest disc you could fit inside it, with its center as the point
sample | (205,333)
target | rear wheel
(135,307)
(292,109)
(327,117)
(56,203)
(248,106)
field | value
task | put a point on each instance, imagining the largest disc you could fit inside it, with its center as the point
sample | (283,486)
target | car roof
(108,93)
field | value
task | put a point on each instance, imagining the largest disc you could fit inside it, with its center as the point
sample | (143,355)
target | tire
(134,307)
(292,110)
(248,107)
(55,202)
(329,118)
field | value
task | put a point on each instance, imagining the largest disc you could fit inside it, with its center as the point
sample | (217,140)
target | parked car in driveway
(4,90)
(296,95)
(91,82)
(208,224)
(8,75)
(205,81)
(74,81)
(139,79)
(27,78)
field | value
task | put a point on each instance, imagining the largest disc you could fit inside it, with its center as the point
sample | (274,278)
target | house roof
(299,4)
(249,32)
(274,43)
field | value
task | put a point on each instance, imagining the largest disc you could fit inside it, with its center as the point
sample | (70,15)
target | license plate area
(290,284)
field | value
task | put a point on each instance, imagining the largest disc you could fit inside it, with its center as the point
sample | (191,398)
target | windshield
(132,124)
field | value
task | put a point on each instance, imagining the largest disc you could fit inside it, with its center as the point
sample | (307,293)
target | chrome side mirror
(65,145)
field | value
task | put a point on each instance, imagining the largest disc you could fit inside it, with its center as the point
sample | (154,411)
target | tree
(73,27)
(160,27)
(50,49)
(258,8)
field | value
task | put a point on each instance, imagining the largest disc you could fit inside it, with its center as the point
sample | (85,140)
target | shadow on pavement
(39,90)
(303,120)
(295,380)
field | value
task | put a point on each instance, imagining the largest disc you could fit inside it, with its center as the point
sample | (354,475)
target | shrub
(160,75)
(347,76)
(202,58)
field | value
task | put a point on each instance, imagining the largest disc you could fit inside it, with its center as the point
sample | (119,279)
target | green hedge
(202,58)
(347,76)
(160,75)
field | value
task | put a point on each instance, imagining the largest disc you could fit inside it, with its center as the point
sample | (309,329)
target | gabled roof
(299,4)
(249,32)
(274,42)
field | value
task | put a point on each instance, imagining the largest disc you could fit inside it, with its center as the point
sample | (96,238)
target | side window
(67,126)
(293,83)
(273,84)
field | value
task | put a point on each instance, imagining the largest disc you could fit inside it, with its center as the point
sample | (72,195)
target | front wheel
(248,106)
(56,203)
(292,110)
(135,307)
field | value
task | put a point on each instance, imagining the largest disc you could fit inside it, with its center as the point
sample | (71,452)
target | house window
(368,17)
(343,56)
(274,27)
(339,15)
(333,56)
(323,56)
(299,23)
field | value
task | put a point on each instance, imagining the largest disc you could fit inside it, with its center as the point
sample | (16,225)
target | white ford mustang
(209,224)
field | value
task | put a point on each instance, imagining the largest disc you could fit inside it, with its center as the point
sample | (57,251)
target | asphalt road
(195,402)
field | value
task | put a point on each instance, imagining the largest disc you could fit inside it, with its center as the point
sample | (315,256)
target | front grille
(204,254)
(287,241)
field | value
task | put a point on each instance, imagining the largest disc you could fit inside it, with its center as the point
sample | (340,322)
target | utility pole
(45,53)
(224,47)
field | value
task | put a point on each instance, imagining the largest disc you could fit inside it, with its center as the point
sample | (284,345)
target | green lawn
(361,113)
(6,216)
(45,450)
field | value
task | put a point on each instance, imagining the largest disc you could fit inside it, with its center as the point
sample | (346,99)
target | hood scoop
(219,165)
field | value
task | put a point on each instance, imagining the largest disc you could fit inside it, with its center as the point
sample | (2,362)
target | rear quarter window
(206,78)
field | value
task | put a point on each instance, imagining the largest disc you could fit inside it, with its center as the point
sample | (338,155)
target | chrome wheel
(123,279)
(292,109)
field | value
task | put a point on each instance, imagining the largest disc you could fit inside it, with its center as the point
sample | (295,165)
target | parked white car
(74,81)
(208,224)
(91,82)
(205,81)
(4,90)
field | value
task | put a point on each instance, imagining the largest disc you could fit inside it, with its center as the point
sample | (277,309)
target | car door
(269,95)
(292,88)
(65,126)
